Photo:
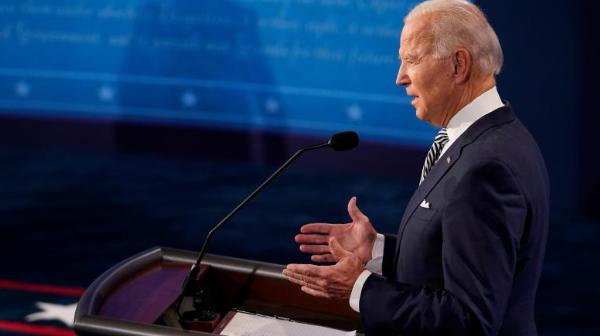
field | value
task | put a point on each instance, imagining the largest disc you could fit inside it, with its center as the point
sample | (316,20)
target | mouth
(414,101)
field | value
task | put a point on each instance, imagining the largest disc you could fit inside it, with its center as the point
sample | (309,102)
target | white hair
(459,23)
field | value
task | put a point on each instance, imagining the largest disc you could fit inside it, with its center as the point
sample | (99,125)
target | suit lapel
(452,155)
(437,172)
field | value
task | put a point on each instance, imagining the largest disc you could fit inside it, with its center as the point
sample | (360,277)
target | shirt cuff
(375,265)
(357,289)
(378,246)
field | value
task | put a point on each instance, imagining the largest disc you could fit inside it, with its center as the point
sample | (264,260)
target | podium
(136,296)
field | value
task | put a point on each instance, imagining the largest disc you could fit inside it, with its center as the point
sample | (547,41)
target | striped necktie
(434,152)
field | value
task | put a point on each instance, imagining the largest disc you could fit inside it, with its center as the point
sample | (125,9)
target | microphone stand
(191,285)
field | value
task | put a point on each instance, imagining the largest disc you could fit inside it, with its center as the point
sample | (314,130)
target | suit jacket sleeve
(481,227)
(389,247)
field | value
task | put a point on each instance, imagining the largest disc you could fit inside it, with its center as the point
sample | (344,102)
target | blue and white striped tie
(434,152)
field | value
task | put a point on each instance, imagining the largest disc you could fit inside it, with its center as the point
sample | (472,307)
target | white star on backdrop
(354,112)
(22,89)
(272,106)
(50,311)
(188,99)
(106,93)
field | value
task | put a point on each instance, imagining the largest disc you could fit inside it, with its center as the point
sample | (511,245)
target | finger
(323,258)
(337,250)
(354,211)
(315,292)
(311,238)
(305,280)
(323,228)
(296,281)
(295,277)
(314,286)
(306,269)
(329,292)
(315,249)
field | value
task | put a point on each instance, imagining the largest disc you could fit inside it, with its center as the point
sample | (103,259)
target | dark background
(78,196)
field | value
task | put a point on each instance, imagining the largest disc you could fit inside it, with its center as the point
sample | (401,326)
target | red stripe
(39,288)
(32,329)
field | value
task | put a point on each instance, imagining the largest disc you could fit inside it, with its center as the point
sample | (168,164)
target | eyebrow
(408,56)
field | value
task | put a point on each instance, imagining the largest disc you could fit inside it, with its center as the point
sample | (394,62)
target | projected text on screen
(309,66)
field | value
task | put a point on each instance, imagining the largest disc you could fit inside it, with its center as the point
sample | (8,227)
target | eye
(408,61)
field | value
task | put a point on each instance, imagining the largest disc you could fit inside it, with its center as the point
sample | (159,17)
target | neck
(469,92)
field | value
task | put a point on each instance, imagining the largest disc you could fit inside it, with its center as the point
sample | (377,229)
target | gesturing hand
(333,282)
(356,237)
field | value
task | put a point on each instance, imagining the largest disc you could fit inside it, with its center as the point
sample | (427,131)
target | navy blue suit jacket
(470,263)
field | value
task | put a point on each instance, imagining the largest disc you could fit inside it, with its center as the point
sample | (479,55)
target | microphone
(343,141)
(339,142)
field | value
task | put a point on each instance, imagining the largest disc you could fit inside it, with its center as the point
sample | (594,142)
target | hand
(332,282)
(357,237)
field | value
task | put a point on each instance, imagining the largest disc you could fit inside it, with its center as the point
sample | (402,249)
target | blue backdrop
(309,66)
(130,124)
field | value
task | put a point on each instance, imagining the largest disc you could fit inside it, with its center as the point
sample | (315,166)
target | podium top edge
(222,262)
(96,293)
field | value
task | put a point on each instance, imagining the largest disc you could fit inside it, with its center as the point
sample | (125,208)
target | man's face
(427,79)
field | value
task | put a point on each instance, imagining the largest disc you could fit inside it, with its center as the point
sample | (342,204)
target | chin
(420,115)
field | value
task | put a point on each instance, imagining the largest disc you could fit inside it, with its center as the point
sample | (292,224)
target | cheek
(434,88)
(421,82)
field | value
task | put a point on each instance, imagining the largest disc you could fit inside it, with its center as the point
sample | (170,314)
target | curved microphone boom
(340,142)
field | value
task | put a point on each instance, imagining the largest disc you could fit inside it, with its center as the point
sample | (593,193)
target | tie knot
(434,152)
(441,137)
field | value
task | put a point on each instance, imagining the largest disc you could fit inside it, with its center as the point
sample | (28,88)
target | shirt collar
(485,103)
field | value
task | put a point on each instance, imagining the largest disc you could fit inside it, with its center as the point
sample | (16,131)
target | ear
(463,65)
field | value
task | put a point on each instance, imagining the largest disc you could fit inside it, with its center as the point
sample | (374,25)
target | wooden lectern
(136,297)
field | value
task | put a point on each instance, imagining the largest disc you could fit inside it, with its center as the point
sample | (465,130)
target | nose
(402,78)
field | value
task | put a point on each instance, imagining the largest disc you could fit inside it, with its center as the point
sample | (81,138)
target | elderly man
(468,253)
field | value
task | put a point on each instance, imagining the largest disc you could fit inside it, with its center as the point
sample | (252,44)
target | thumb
(337,250)
(354,211)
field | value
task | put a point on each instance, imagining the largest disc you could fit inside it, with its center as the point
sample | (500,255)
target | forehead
(416,36)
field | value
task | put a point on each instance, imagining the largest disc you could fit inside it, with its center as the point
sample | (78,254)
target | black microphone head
(343,141)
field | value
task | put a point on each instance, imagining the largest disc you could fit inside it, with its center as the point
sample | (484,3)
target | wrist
(366,253)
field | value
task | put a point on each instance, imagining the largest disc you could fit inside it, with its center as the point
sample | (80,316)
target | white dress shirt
(487,102)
